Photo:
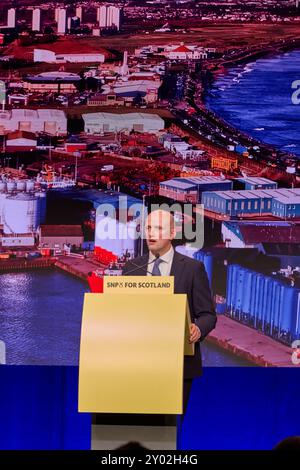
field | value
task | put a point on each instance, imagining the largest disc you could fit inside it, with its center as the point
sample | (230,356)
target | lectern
(134,337)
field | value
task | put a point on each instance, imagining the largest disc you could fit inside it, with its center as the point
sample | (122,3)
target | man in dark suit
(189,278)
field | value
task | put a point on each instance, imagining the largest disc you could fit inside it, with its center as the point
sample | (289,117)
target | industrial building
(179,190)
(283,203)
(190,189)
(224,162)
(51,121)
(17,99)
(287,206)
(56,237)
(51,57)
(184,150)
(20,141)
(238,203)
(9,241)
(111,99)
(52,82)
(174,51)
(256,234)
(251,182)
(97,123)
(183,52)
(146,90)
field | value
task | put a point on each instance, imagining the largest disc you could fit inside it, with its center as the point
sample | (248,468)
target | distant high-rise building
(61,20)
(114,16)
(36,19)
(108,16)
(11,18)
(102,16)
(79,13)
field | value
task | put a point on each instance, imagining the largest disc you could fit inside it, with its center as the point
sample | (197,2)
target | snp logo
(296,353)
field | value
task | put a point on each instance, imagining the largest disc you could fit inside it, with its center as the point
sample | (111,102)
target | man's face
(159,231)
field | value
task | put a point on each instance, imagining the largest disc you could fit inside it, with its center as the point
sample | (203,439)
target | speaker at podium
(133,340)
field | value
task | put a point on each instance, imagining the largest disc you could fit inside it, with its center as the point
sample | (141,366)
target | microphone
(141,266)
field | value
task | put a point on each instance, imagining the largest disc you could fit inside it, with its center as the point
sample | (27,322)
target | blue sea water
(40,317)
(40,320)
(257,98)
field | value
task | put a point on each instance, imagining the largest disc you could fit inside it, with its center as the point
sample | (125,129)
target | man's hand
(195,333)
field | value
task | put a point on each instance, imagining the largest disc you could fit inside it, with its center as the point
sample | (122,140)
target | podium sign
(138,284)
(132,348)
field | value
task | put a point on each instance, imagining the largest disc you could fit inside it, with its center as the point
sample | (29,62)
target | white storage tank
(21,185)
(2,202)
(29,186)
(21,213)
(3,186)
(11,186)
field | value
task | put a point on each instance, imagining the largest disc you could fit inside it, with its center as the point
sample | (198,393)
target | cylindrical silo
(11,186)
(207,259)
(234,282)
(3,186)
(20,213)
(29,186)
(295,324)
(229,289)
(258,308)
(246,299)
(2,202)
(21,185)
(277,300)
(240,291)
(268,302)
(252,297)
(287,313)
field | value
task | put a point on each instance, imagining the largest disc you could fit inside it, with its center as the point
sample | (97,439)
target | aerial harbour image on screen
(132,103)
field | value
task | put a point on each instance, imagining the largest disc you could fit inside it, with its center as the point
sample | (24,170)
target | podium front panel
(131,353)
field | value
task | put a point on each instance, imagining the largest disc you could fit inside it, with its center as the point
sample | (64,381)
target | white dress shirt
(164,266)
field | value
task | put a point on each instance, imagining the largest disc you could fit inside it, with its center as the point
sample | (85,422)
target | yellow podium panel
(131,353)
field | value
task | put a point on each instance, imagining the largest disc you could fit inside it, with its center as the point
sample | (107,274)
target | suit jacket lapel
(177,269)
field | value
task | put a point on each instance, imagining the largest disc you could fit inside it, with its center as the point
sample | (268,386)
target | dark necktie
(156,270)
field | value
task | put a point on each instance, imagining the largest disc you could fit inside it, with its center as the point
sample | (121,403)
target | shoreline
(244,133)
(204,85)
